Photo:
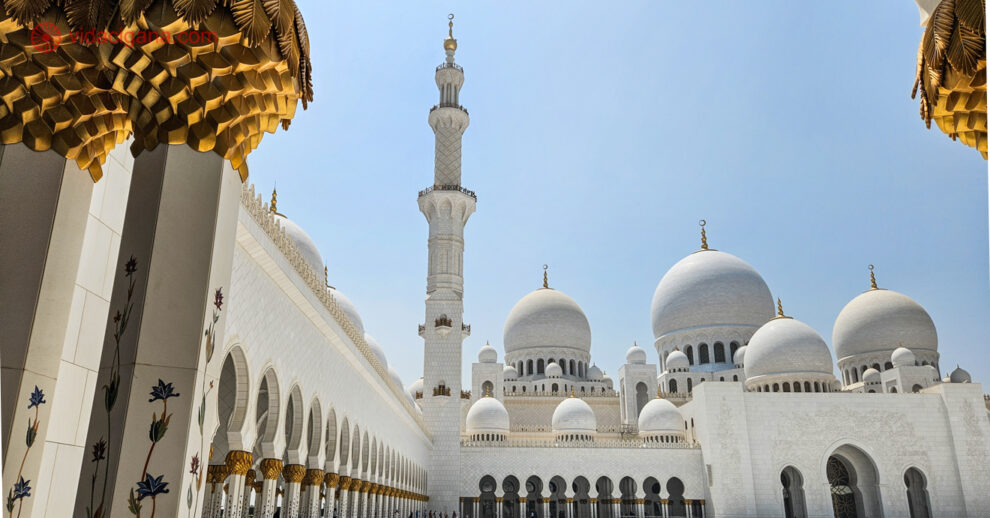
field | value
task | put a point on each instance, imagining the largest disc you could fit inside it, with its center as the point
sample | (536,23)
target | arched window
(689,385)
(855,376)
(719,352)
(703,354)
(793,488)
(571,370)
(876,366)
(524,388)
(916,388)
(797,386)
(735,377)
(888,365)
(776,387)
(673,386)
(732,350)
(917,494)
(539,366)
(529,367)
(487,388)
(553,388)
(787,387)
(690,355)
(807,386)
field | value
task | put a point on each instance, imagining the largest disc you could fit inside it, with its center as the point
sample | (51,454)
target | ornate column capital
(270,468)
(345,483)
(544,500)
(258,487)
(239,462)
(294,473)
(640,501)
(366,486)
(688,502)
(330,479)
(314,477)
(250,477)
(664,501)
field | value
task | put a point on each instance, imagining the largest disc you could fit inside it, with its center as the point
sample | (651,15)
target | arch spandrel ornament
(81,99)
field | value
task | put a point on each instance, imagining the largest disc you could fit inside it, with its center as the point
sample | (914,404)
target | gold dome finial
(780,308)
(572,390)
(704,237)
(450,43)
(273,206)
(546,283)
(488,391)
(873,279)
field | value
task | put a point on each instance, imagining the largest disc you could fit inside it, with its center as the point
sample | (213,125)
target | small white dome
(878,320)
(660,416)
(739,359)
(574,415)
(487,354)
(607,380)
(415,387)
(902,357)
(394,374)
(546,318)
(376,348)
(786,346)
(348,308)
(487,415)
(678,360)
(636,355)
(710,288)
(594,373)
(554,370)
(959,375)
(305,244)
(871,375)
(509,373)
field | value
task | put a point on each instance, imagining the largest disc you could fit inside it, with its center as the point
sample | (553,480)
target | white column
(345,484)
(44,209)
(238,463)
(663,508)
(264,507)
(172,280)
(248,488)
(293,475)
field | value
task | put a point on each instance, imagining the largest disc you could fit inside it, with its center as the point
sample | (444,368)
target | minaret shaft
(447,207)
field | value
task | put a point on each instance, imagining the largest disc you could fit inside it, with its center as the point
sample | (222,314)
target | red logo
(45,37)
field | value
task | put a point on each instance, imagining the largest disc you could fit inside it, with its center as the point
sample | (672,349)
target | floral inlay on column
(150,485)
(22,488)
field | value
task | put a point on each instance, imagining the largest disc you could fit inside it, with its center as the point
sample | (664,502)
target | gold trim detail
(270,468)
(239,462)
(314,477)
(293,473)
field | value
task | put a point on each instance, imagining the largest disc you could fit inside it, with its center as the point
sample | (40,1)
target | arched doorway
(642,397)
(534,488)
(558,498)
(627,497)
(582,501)
(487,500)
(652,505)
(853,482)
(675,500)
(510,498)
(917,493)
(793,490)
(604,488)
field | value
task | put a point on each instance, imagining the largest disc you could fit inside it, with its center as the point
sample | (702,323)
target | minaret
(447,207)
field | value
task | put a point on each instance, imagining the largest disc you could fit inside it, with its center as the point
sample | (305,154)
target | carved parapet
(239,462)
(270,468)
(293,473)
(331,479)
(314,477)
(214,75)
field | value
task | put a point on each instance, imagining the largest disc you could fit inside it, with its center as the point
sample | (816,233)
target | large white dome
(660,416)
(546,318)
(574,415)
(305,244)
(348,308)
(487,415)
(881,320)
(786,346)
(710,288)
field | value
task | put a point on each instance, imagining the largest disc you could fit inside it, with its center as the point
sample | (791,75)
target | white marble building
(739,414)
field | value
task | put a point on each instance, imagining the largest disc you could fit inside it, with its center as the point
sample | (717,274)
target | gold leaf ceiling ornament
(224,75)
(952,72)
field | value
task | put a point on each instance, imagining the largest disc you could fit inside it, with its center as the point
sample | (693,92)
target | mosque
(735,411)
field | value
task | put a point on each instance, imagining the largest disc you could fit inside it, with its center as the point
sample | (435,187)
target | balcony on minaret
(441,390)
(443,325)
(465,330)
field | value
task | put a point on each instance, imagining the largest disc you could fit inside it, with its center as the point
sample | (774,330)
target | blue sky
(601,132)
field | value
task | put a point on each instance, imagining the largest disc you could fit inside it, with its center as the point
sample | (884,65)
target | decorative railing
(449,105)
(628,430)
(422,329)
(260,213)
(449,65)
(560,394)
(466,328)
(636,443)
(428,190)
(441,391)
(419,395)
(465,394)
(443,321)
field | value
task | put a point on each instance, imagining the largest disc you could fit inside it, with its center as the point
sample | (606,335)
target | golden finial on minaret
(780,308)
(873,279)
(546,283)
(450,43)
(704,237)
(273,206)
